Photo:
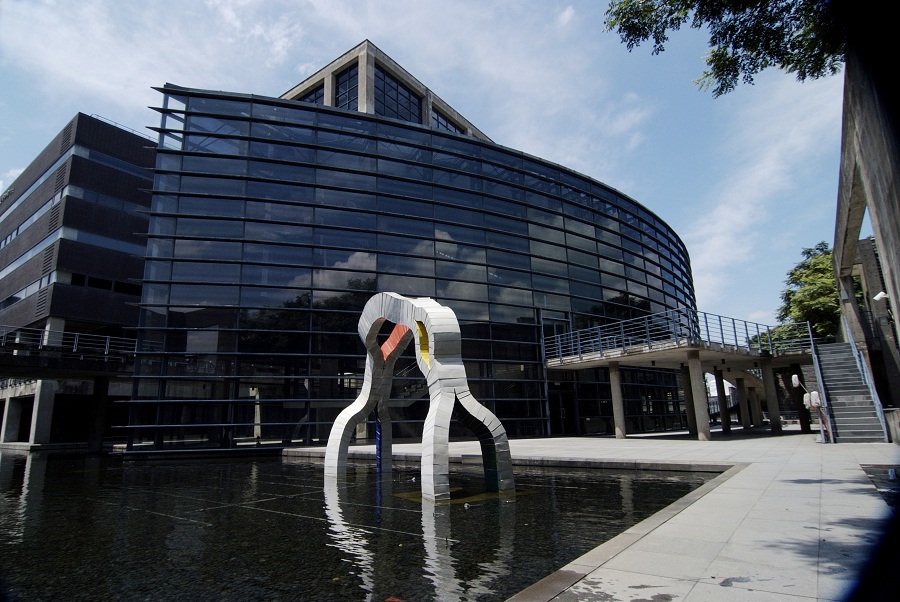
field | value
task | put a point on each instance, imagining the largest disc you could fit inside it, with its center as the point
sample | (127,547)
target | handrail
(38,339)
(679,328)
(870,383)
(826,409)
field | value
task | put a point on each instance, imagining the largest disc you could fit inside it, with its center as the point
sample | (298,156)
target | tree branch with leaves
(811,293)
(805,37)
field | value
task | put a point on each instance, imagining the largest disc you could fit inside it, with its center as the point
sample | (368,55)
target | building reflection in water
(239,529)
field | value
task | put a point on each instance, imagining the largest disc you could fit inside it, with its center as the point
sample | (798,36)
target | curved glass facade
(274,221)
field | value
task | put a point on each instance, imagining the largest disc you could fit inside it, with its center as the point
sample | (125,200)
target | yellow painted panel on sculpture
(423,343)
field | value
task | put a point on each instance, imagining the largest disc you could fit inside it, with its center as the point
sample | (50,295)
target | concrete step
(845,393)
(845,402)
(868,423)
(860,439)
(849,400)
(871,435)
(861,419)
(853,410)
(837,386)
(865,423)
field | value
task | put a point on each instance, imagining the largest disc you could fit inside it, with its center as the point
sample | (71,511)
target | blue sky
(747,180)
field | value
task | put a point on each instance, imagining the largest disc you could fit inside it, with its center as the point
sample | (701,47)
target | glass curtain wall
(273,222)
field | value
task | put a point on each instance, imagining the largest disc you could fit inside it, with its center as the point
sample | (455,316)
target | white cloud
(762,317)
(114,52)
(778,127)
(514,68)
(9,176)
(566,15)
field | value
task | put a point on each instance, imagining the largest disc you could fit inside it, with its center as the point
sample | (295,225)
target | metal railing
(828,436)
(678,328)
(863,367)
(23,340)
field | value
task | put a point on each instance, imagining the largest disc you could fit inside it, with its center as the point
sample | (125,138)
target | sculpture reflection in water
(436,331)
(471,566)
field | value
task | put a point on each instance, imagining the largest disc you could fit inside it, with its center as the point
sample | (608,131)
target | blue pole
(377,446)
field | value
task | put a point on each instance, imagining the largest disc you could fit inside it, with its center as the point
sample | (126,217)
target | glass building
(275,219)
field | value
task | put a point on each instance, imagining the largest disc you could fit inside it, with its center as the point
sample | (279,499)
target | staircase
(852,407)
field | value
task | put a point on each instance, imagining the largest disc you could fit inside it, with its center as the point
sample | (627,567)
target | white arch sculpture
(436,331)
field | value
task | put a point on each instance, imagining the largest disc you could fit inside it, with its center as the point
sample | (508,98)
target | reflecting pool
(102,529)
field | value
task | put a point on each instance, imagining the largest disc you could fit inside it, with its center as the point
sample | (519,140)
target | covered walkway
(34,360)
(695,343)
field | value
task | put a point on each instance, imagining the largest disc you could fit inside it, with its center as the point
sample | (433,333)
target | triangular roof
(368,56)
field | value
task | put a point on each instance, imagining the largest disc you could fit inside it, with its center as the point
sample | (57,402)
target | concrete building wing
(72,239)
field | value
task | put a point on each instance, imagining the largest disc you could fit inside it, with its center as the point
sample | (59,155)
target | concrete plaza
(788,519)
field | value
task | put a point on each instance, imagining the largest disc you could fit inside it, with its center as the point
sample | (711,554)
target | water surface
(101,529)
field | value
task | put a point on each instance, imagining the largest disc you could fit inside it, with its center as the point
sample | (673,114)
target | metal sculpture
(436,331)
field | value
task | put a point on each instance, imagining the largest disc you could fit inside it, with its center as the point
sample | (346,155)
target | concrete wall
(892,418)
(870,176)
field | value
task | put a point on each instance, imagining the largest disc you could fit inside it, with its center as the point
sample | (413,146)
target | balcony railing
(27,340)
(679,328)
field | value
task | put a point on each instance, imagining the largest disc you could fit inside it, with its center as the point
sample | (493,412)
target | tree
(811,294)
(805,37)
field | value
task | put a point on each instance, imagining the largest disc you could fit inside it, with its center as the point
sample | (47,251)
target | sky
(747,180)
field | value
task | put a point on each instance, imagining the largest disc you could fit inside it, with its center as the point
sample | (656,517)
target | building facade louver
(274,219)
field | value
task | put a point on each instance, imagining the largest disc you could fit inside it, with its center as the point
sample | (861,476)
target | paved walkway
(790,519)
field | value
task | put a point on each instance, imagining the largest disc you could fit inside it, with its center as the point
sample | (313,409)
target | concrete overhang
(674,356)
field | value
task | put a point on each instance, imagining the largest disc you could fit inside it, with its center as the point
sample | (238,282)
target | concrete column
(698,389)
(755,407)
(724,415)
(366,91)
(257,416)
(427,106)
(99,401)
(12,416)
(42,414)
(771,395)
(745,404)
(328,92)
(689,412)
(53,332)
(615,385)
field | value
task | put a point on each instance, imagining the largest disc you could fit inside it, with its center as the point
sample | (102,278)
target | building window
(346,86)
(393,99)
(315,96)
(440,122)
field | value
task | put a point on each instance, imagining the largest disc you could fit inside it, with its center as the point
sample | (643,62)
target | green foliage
(782,338)
(805,37)
(811,294)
